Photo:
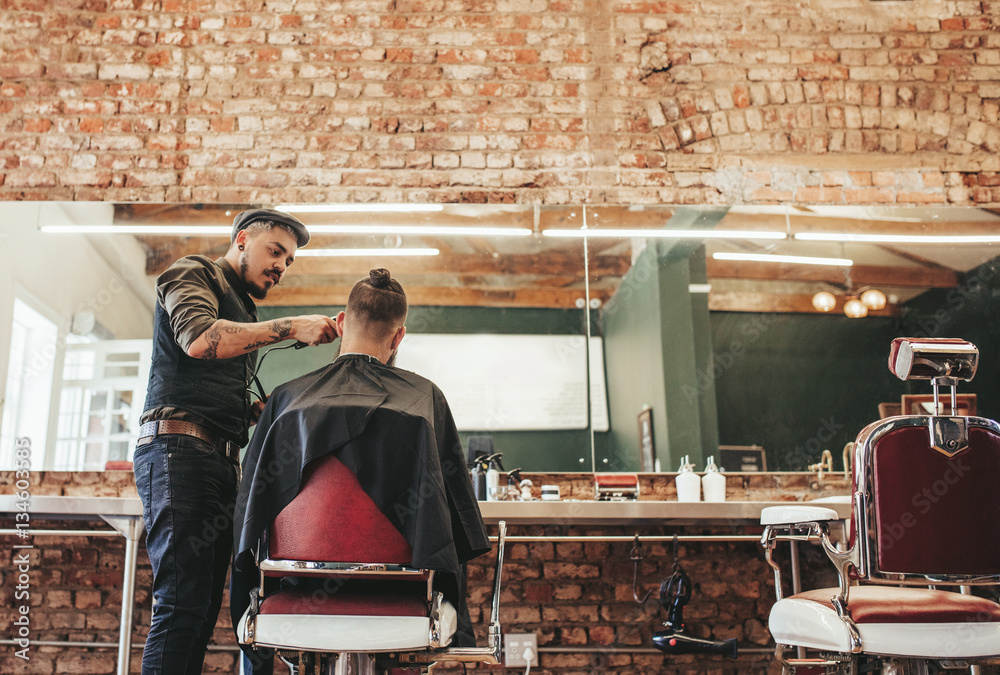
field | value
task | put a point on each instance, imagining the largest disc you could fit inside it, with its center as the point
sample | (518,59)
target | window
(30,371)
(103,390)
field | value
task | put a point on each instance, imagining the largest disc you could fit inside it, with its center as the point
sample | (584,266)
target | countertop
(650,512)
(56,505)
(515,513)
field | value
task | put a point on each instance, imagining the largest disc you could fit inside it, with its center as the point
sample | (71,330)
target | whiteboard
(512,382)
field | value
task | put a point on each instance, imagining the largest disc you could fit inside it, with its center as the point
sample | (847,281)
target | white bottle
(713,483)
(492,482)
(688,482)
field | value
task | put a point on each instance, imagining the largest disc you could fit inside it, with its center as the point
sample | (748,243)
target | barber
(197,415)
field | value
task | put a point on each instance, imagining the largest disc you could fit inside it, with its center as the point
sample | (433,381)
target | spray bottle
(493,476)
(480,447)
(478,470)
(514,484)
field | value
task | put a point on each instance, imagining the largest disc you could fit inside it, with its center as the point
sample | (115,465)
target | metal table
(124,514)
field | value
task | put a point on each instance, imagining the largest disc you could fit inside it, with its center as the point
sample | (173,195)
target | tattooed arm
(189,292)
(226,339)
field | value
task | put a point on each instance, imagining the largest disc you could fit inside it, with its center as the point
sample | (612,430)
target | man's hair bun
(380,277)
(378,300)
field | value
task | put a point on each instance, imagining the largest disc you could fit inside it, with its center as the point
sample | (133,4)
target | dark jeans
(188,493)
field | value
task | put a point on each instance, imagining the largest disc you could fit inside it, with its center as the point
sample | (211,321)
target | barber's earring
(241,247)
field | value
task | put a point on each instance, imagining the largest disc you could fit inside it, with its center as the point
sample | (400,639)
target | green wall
(633,346)
(798,384)
(656,341)
(531,450)
(971,312)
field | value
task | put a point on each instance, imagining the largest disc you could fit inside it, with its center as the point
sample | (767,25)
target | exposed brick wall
(570,594)
(550,101)
(573,595)
(580,595)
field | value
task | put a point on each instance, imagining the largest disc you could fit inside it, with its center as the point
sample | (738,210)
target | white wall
(68,273)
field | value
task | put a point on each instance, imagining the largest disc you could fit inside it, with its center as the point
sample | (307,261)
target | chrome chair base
(353,663)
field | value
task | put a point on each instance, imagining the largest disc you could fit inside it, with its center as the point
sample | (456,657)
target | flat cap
(246,218)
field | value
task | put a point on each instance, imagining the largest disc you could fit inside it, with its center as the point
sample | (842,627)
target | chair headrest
(932,358)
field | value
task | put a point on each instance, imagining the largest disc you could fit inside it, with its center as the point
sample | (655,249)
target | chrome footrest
(824,661)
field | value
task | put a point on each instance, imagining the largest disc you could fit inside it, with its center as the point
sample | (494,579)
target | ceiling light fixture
(436,230)
(873,299)
(666,234)
(841,212)
(364,252)
(226,230)
(359,208)
(899,238)
(791,259)
(855,309)
(824,301)
(175,230)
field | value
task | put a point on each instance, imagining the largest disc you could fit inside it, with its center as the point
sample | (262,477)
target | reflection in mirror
(472,271)
(724,340)
(711,336)
(495,319)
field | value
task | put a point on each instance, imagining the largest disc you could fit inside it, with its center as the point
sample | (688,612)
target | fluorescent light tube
(666,234)
(793,259)
(193,230)
(359,208)
(226,230)
(437,230)
(900,238)
(361,252)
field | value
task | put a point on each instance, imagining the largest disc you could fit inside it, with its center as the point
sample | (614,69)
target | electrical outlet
(514,645)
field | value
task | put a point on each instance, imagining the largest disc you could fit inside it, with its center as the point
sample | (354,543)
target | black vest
(213,389)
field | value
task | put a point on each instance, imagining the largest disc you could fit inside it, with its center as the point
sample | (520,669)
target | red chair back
(332,519)
(924,513)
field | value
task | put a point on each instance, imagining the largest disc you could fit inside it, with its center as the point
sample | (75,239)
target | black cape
(365,412)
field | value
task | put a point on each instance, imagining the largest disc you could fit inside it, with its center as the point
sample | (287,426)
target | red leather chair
(925,528)
(362,607)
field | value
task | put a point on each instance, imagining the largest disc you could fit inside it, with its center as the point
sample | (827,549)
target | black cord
(253,376)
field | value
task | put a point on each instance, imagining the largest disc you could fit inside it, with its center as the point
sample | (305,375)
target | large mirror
(773,330)
(642,333)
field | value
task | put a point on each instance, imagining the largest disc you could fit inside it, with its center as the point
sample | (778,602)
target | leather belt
(151,430)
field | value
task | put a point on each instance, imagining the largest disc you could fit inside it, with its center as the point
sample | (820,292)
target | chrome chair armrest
(796,514)
(492,653)
(819,531)
(805,523)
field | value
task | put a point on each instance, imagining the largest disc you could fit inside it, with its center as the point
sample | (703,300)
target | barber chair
(924,530)
(355,605)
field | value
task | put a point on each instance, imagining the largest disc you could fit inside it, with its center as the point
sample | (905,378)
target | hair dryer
(675,592)
(676,642)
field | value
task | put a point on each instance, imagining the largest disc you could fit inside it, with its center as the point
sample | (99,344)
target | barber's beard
(257,292)
(392,357)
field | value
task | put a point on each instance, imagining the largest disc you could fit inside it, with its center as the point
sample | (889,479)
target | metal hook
(636,555)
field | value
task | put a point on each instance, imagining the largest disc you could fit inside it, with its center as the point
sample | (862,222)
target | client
(392,428)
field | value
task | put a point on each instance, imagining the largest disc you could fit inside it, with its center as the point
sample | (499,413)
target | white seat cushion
(801,621)
(348,633)
(795,513)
